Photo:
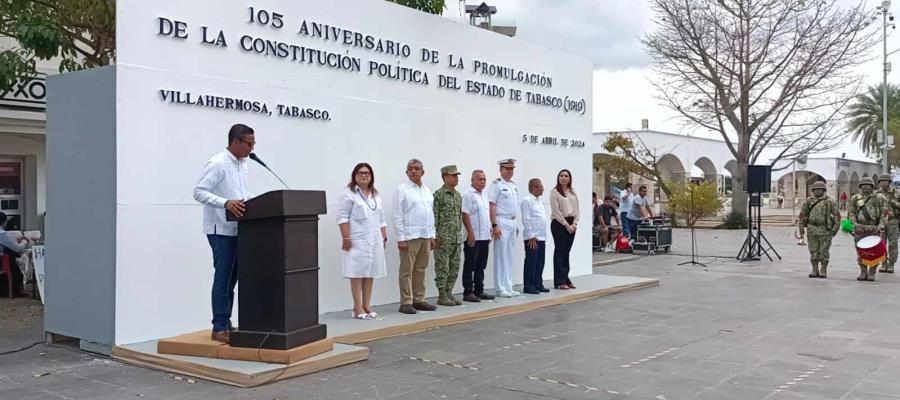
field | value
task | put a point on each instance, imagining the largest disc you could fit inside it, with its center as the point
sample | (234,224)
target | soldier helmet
(866,181)
(884,177)
(817,185)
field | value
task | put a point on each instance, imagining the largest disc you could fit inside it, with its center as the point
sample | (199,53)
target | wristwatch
(493,225)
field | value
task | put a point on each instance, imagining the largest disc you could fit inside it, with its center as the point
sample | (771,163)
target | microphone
(255,158)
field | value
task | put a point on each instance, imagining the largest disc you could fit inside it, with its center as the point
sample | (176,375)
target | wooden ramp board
(200,344)
(234,372)
(352,331)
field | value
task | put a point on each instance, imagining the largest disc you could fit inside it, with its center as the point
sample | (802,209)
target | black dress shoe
(544,290)
(485,296)
(471,297)
(531,291)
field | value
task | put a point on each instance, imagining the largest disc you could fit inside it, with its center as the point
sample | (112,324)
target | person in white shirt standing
(414,222)
(360,218)
(534,224)
(477,223)
(223,186)
(504,198)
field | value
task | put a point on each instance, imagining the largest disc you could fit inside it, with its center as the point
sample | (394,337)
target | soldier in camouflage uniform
(820,218)
(868,213)
(448,223)
(891,227)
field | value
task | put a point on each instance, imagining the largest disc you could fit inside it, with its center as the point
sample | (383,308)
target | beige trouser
(413,262)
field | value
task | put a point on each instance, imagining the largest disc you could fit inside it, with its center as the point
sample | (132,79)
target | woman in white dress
(363,238)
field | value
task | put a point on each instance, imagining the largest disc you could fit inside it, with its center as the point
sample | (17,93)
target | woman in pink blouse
(564,216)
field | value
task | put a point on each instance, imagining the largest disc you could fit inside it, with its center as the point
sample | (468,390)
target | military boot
(444,301)
(872,271)
(823,271)
(863,275)
(815,269)
(456,300)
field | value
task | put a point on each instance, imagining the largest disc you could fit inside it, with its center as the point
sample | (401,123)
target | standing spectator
(477,221)
(534,231)
(844,201)
(504,198)
(625,199)
(780,200)
(448,222)
(414,222)
(640,210)
(564,213)
(360,217)
(606,213)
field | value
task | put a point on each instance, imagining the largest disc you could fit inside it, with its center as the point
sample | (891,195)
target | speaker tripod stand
(756,244)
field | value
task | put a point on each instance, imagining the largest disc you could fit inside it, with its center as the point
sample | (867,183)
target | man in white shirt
(624,206)
(477,223)
(534,231)
(504,198)
(223,186)
(640,210)
(414,222)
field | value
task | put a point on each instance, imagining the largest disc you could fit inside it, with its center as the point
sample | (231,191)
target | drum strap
(865,211)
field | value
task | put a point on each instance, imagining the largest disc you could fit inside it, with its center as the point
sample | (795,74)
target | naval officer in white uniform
(504,198)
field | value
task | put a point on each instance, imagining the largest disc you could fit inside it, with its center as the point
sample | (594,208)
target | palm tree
(865,116)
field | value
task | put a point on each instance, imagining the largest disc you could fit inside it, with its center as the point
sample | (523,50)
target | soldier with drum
(820,220)
(869,213)
(891,227)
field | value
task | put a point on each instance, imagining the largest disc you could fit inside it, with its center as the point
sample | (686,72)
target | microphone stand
(254,157)
(693,239)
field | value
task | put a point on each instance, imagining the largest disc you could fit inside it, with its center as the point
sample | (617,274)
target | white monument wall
(163,262)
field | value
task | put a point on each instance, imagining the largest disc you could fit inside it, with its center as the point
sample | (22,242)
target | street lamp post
(885,14)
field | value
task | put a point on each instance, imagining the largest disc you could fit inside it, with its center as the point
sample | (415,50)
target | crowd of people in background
(627,210)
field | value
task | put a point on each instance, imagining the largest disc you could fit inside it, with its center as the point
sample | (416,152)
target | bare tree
(765,74)
(628,153)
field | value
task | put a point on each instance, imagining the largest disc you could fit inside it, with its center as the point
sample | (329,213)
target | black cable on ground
(5,353)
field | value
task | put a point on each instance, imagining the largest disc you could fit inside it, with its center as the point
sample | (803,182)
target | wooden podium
(278,270)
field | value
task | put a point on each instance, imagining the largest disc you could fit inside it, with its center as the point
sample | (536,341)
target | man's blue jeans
(625,224)
(224,249)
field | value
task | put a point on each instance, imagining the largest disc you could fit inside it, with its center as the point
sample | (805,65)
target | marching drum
(871,250)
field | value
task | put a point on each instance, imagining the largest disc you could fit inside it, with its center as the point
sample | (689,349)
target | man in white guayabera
(223,186)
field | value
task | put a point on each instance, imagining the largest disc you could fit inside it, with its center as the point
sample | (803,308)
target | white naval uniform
(506,197)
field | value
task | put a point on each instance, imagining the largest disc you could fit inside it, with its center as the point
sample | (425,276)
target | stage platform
(344,329)
(234,372)
(346,332)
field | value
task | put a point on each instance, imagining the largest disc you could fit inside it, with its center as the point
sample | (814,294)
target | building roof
(481,8)
(639,131)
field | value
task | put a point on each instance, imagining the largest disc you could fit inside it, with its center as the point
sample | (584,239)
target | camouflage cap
(817,185)
(866,181)
(884,177)
(449,170)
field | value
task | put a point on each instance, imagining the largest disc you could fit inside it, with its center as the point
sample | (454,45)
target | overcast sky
(608,32)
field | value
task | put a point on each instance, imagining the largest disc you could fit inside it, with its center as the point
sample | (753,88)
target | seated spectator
(14,249)
(606,212)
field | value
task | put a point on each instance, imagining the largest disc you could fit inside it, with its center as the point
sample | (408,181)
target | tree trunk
(739,198)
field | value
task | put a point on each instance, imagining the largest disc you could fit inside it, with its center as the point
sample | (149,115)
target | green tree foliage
(82,33)
(865,118)
(694,201)
(429,6)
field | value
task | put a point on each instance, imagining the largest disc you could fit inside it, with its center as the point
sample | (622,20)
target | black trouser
(562,243)
(473,267)
(16,276)
(533,275)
